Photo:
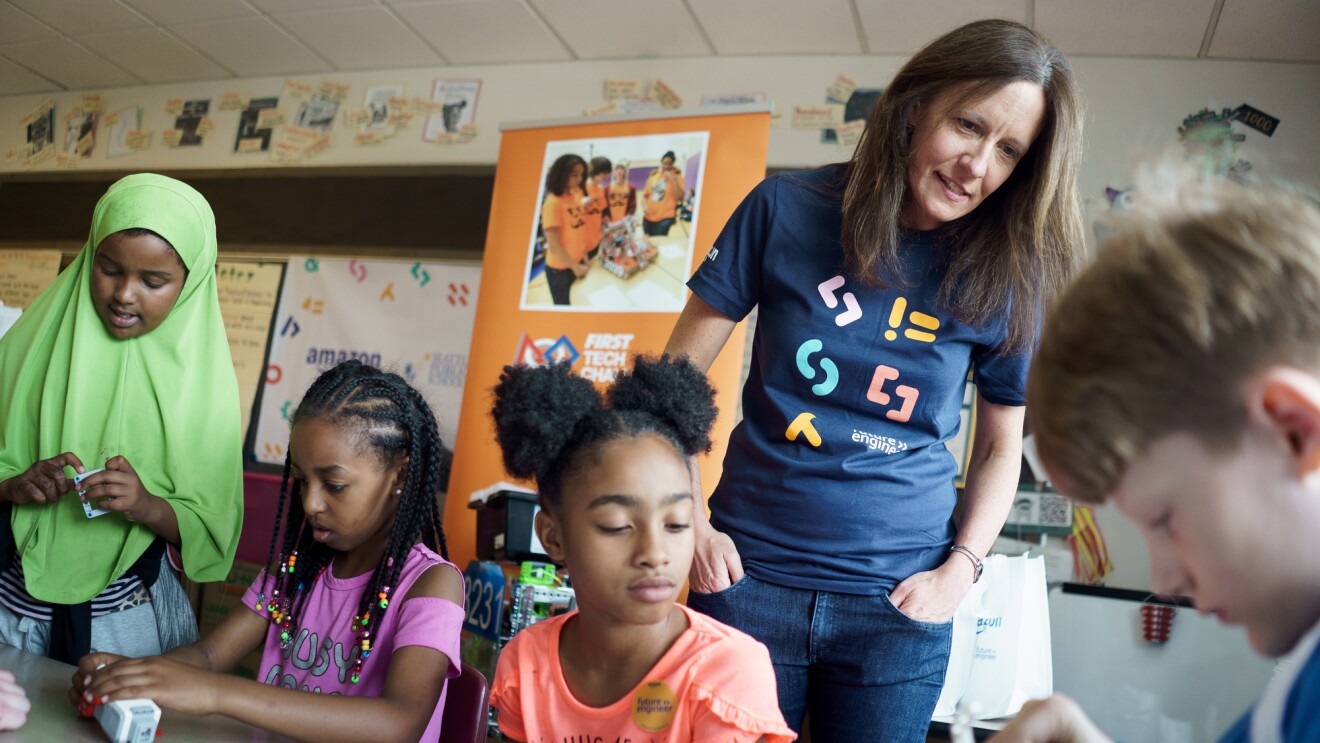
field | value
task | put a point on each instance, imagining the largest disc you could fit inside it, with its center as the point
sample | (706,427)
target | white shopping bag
(1012,662)
(964,648)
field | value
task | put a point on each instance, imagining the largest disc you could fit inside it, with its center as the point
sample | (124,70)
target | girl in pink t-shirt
(616,510)
(359,617)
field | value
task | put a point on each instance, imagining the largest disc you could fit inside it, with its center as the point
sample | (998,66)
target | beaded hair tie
(278,608)
(360,624)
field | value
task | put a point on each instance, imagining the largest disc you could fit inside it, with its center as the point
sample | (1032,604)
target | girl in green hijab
(121,363)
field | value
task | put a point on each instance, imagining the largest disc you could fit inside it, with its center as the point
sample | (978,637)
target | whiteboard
(1191,689)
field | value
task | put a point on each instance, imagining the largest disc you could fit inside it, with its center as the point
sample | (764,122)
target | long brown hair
(1017,250)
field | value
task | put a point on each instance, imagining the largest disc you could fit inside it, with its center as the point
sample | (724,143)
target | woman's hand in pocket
(933,596)
(716,564)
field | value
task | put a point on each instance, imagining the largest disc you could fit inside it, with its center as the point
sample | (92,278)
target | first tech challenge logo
(603,355)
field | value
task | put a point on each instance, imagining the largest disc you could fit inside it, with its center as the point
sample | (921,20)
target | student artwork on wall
(378,107)
(458,107)
(635,253)
(79,132)
(40,126)
(121,122)
(190,122)
(316,113)
(855,109)
(247,292)
(411,318)
(253,133)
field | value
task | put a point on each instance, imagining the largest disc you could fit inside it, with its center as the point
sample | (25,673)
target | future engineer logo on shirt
(654,706)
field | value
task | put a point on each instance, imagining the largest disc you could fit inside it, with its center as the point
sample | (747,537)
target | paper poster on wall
(252,136)
(189,122)
(316,113)
(24,274)
(856,108)
(247,301)
(414,319)
(79,133)
(625,243)
(723,151)
(458,107)
(40,125)
(378,104)
(122,122)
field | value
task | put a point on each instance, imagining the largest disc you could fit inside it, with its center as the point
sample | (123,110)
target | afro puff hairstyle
(547,420)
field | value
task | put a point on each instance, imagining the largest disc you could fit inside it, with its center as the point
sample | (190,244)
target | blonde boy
(1179,378)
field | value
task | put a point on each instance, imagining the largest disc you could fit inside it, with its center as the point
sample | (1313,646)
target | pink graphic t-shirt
(713,684)
(324,646)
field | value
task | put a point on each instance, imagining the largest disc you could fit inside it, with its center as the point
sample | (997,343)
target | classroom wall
(1135,105)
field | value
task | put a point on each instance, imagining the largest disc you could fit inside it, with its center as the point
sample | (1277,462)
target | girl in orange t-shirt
(564,222)
(663,193)
(622,195)
(617,510)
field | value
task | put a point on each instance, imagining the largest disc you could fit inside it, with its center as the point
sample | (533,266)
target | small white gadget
(91,511)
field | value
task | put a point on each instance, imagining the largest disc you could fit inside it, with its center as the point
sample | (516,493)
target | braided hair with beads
(394,421)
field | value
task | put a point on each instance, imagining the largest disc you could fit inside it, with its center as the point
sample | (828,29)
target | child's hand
(43,482)
(581,267)
(120,489)
(14,704)
(82,676)
(168,683)
(1054,720)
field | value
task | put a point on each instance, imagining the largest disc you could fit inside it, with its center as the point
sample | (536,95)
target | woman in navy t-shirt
(880,283)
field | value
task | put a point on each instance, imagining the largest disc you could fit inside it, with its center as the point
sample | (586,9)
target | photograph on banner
(614,222)
(411,318)
(458,107)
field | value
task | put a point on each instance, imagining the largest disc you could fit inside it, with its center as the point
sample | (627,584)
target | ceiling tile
(15,80)
(171,12)
(251,47)
(1118,28)
(154,56)
(280,7)
(484,31)
(903,27)
(625,29)
(1268,29)
(17,27)
(364,39)
(69,65)
(73,17)
(781,27)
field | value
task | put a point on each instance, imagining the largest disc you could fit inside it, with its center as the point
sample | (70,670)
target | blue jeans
(864,670)
(659,228)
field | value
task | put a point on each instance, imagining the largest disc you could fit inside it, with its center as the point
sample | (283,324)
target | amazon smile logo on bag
(985,623)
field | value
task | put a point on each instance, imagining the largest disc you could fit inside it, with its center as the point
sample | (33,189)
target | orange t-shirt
(661,195)
(713,684)
(567,214)
(593,213)
(623,200)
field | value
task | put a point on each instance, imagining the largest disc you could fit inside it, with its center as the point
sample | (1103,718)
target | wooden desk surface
(52,718)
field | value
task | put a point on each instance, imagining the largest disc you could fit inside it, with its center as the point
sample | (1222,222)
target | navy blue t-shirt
(838,477)
(1301,712)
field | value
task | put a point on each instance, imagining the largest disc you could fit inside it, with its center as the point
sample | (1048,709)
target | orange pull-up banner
(593,270)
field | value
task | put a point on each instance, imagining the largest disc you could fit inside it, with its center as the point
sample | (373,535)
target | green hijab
(166,400)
